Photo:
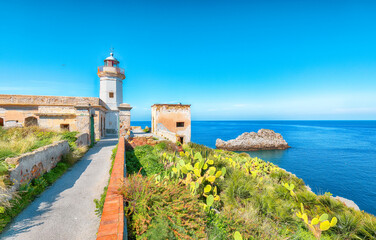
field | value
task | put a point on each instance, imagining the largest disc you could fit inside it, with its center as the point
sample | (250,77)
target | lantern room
(111,61)
(111,68)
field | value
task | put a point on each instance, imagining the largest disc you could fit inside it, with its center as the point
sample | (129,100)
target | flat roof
(171,105)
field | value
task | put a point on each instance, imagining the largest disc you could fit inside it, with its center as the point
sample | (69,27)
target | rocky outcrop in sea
(264,139)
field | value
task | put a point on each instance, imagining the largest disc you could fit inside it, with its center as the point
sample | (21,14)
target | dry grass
(16,141)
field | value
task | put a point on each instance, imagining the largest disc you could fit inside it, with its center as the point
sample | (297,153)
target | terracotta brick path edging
(112,220)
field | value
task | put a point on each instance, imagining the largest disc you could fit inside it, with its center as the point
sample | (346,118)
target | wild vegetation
(214,194)
(16,141)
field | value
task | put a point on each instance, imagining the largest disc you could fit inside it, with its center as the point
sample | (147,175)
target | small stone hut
(172,121)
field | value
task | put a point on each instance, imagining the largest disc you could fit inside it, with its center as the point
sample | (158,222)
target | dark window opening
(31,121)
(180,124)
(1,122)
(64,127)
(111,95)
(181,140)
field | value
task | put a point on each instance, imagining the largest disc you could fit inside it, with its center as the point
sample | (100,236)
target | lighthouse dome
(111,58)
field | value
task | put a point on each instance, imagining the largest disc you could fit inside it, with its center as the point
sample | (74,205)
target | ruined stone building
(96,116)
(172,121)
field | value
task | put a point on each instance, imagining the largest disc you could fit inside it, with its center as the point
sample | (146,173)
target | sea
(330,156)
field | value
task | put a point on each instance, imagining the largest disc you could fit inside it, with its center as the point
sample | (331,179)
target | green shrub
(3,168)
(133,165)
(204,150)
(6,153)
(330,205)
(57,172)
(145,159)
(69,136)
(142,151)
(238,188)
(164,210)
(159,147)
(368,229)
(347,226)
(99,203)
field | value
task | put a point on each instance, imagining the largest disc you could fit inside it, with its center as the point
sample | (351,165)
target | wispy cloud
(240,105)
(355,110)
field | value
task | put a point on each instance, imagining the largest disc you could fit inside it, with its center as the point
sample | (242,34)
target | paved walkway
(66,210)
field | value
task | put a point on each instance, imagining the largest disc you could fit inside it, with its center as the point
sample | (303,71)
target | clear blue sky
(230,59)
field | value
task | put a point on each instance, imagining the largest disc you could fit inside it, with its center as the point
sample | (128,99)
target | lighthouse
(111,91)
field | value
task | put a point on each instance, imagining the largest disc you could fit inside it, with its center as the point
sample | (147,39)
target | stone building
(172,121)
(96,116)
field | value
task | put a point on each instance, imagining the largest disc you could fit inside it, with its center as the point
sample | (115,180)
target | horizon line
(268,120)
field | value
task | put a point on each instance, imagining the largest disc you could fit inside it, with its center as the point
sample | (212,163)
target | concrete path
(66,209)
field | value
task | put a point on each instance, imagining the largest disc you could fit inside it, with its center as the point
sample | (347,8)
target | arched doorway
(31,121)
(1,122)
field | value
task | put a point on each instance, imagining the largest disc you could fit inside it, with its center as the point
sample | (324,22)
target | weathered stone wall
(65,110)
(17,114)
(83,139)
(32,165)
(165,118)
(83,120)
(124,122)
(53,111)
(52,117)
(54,122)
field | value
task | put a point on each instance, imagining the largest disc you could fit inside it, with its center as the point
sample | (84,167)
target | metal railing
(111,69)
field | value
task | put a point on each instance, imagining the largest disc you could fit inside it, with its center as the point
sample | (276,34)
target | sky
(231,60)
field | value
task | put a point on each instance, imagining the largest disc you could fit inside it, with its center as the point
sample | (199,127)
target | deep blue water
(330,156)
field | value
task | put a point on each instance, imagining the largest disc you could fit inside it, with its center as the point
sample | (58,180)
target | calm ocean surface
(330,156)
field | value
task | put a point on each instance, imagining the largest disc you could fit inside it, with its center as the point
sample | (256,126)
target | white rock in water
(264,139)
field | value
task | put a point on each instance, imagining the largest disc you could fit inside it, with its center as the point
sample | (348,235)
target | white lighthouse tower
(111,91)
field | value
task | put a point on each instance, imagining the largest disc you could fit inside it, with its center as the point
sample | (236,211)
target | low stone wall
(83,139)
(113,223)
(34,164)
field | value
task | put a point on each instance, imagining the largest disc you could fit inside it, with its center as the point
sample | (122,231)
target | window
(64,127)
(31,121)
(1,122)
(181,140)
(179,124)
(111,95)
